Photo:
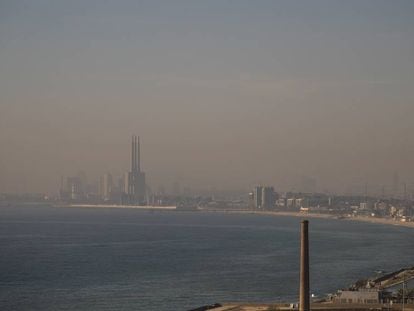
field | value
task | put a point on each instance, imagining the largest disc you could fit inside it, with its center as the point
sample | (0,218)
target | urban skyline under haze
(224,94)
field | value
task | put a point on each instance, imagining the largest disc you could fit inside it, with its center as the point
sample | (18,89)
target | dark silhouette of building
(304,301)
(264,197)
(135,182)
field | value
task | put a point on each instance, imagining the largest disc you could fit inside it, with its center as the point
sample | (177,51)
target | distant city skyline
(300,95)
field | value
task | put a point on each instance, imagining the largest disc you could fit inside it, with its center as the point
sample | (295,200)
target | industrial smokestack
(133,153)
(304,304)
(138,156)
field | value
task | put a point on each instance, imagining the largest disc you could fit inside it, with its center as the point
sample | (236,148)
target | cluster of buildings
(395,287)
(129,189)
(265,198)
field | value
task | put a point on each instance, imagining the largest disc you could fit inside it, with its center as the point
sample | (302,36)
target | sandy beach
(376,220)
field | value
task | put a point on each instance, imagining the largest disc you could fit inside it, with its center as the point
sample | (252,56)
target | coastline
(366,219)
(142,207)
(383,221)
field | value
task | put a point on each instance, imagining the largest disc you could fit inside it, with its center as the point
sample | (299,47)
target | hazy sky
(223,93)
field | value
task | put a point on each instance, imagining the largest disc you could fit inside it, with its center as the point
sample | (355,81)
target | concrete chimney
(304,303)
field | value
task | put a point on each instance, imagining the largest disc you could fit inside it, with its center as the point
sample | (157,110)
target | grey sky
(222,93)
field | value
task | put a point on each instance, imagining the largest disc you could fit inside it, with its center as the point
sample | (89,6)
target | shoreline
(142,207)
(383,221)
(366,219)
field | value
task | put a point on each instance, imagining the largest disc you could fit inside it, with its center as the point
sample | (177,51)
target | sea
(54,258)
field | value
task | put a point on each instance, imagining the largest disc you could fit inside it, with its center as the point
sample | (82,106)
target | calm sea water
(113,259)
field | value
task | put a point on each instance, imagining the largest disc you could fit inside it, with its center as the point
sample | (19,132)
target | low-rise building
(360,296)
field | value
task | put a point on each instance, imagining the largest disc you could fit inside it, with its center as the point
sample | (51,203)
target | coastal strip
(141,207)
(375,220)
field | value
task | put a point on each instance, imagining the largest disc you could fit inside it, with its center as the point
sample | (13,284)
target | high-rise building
(125,182)
(264,197)
(135,186)
(268,197)
(106,186)
(74,188)
(257,196)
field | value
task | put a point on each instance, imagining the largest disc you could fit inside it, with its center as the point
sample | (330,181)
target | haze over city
(224,94)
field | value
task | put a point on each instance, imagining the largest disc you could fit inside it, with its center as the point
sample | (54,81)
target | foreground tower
(304,304)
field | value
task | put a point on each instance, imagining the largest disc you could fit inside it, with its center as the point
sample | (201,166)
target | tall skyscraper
(264,197)
(74,188)
(268,197)
(106,186)
(135,182)
(257,194)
